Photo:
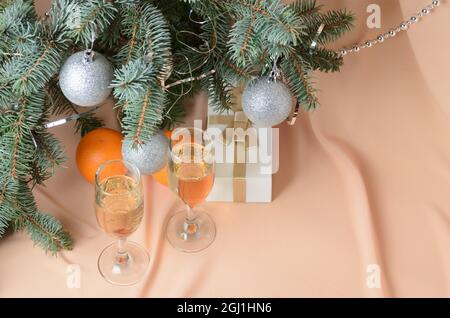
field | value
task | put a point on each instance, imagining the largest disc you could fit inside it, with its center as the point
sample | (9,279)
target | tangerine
(97,147)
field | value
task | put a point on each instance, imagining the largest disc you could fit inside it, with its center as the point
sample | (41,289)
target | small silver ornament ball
(149,157)
(85,78)
(266,102)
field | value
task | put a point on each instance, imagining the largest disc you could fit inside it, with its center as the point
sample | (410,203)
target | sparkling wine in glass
(119,208)
(191,176)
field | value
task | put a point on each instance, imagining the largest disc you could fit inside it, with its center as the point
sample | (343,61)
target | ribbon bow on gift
(239,166)
(235,120)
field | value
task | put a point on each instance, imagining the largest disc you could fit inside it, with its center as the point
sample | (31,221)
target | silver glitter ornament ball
(149,157)
(266,102)
(85,78)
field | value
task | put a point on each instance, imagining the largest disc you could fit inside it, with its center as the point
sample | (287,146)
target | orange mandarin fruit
(97,147)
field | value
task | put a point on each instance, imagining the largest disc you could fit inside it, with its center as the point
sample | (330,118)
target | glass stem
(122,254)
(190,213)
(190,225)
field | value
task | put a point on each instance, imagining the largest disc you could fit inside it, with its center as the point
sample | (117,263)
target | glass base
(191,236)
(124,269)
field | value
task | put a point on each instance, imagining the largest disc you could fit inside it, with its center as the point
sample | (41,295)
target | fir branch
(140,123)
(47,48)
(55,101)
(45,231)
(37,70)
(221,44)
(13,141)
(244,46)
(49,155)
(306,8)
(324,60)
(298,81)
(131,80)
(7,215)
(255,8)
(131,44)
(240,71)
(246,39)
(336,23)
(94,17)
(219,92)
(87,123)
(144,114)
(157,42)
(12,15)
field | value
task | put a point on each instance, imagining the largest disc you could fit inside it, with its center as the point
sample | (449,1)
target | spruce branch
(298,80)
(92,18)
(324,60)
(49,155)
(244,46)
(143,116)
(87,123)
(30,80)
(45,231)
(130,81)
(336,24)
(7,215)
(163,51)
(306,8)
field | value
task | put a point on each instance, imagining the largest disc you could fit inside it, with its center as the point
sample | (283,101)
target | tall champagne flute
(119,208)
(191,176)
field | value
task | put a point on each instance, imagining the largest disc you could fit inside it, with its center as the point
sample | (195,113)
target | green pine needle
(152,45)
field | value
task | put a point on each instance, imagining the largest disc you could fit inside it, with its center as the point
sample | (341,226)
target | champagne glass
(191,176)
(119,208)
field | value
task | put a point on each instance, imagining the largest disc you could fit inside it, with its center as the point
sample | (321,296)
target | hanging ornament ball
(149,157)
(85,78)
(266,102)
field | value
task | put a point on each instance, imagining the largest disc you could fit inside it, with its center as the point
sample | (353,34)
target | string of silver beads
(404,26)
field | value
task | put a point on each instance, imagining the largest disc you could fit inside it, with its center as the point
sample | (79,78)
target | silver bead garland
(403,26)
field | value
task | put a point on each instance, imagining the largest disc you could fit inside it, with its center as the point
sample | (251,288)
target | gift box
(245,157)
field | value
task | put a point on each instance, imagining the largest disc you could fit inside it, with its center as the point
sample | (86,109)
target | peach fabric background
(363,180)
